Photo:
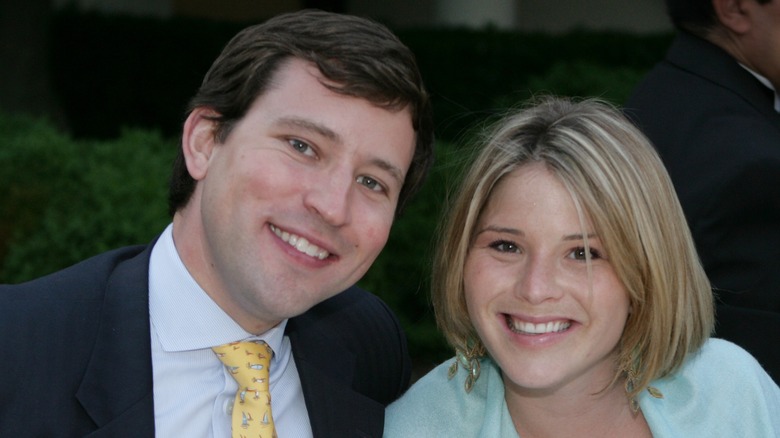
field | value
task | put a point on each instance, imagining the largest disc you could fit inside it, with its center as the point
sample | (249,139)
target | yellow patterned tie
(248,363)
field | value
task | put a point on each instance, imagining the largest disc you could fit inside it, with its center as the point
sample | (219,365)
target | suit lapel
(117,388)
(326,370)
(715,65)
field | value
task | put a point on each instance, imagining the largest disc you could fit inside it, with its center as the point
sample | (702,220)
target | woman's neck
(582,414)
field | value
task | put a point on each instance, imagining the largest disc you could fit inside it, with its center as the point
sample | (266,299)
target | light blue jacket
(721,391)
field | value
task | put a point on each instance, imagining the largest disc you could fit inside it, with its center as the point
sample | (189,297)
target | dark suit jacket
(77,356)
(715,128)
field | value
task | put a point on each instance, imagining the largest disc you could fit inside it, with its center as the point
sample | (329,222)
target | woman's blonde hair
(618,181)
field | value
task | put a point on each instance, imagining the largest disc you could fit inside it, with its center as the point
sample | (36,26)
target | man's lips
(300,243)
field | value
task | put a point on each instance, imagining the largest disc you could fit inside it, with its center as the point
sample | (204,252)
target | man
(307,135)
(711,108)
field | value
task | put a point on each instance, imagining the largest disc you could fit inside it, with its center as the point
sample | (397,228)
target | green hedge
(65,200)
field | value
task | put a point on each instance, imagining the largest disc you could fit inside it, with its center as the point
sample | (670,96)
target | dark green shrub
(68,200)
(33,157)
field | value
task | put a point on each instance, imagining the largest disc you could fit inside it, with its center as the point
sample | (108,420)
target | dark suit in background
(77,358)
(716,130)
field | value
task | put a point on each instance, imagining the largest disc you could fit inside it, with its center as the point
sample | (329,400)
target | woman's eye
(370,183)
(579,254)
(504,246)
(301,147)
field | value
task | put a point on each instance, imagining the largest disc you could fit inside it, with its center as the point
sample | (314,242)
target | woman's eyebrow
(580,236)
(498,229)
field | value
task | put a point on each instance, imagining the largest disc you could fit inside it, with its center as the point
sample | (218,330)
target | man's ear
(198,140)
(733,14)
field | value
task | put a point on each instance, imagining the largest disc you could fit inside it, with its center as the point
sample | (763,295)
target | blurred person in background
(711,110)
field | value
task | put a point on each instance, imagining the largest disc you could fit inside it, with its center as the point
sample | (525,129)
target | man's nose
(331,196)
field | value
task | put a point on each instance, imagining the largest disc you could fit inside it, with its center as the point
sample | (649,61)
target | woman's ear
(197,141)
(733,15)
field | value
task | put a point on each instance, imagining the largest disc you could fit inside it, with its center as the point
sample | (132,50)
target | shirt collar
(181,312)
(766,83)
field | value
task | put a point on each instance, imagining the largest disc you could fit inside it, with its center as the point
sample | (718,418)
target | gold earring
(469,359)
(630,384)
(631,378)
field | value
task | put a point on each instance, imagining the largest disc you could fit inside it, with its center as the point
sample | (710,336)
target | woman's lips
(541,328)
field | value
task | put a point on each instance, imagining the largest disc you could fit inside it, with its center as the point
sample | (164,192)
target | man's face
(297,202)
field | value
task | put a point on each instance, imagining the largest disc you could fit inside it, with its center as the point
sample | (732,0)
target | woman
(568,283)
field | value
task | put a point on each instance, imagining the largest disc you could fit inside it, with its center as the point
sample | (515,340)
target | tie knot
(247,362)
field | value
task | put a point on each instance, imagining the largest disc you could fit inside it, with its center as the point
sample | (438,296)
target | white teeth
(530,328)
(301,244)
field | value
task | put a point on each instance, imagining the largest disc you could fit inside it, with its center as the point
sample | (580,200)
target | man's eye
(301,147)
(370,183)
(504,246)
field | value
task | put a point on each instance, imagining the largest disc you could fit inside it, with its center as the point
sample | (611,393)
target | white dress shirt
(193,393)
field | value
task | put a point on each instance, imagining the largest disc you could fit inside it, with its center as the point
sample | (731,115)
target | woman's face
(550,324)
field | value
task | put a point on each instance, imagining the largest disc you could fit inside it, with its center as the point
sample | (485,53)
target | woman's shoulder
(720,356)
(719,366)
(438,404)
(721,389)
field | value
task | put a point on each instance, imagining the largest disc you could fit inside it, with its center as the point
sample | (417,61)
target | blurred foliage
(64,200)
(65,197)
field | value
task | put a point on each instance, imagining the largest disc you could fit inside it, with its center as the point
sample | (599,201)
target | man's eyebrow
(389,167)
(331,135)
(310,125)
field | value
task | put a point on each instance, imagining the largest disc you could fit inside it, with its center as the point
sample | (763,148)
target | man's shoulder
(69,322)
(360,324)
(83,277)
(695,75)
(354,306)
(357,319)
